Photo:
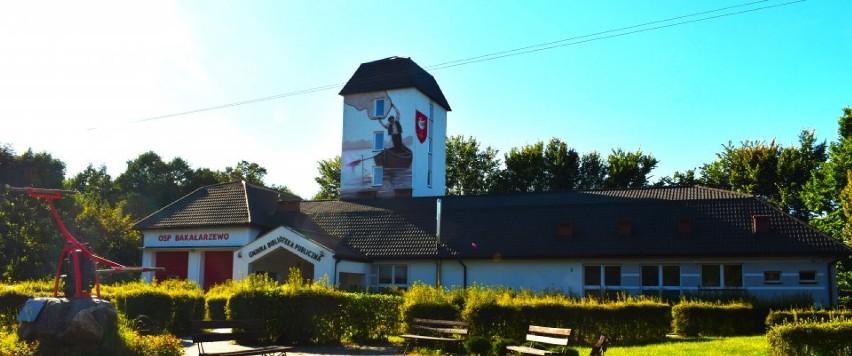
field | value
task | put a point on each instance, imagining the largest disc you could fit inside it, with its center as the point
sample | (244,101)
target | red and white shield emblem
(421,125)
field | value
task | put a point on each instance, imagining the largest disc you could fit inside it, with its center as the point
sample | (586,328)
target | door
(218,267)
(175,263)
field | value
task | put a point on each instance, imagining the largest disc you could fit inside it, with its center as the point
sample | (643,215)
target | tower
(394,132)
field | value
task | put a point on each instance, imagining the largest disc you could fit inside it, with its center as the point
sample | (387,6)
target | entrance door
(218,267)
(175,263)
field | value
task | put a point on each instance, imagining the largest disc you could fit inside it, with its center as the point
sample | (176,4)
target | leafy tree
(822,192)
(30,240)
(149,183)
(94,181)
(249,172)
(628,169)
(592,171)
(107,229)
(679,179)
(328,178)
(470,170)
(524,171)
(561,165)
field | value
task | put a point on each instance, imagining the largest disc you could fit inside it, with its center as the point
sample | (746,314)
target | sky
(90,82)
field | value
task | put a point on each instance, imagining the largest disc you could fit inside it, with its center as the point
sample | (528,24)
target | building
(394,227)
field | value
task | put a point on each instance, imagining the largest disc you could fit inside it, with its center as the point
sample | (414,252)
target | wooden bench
(600,347)
(451,331)
(249,329)
(543,335)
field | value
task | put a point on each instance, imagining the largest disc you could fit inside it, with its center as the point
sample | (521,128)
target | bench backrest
(553,336)
(441,326)
(241,329)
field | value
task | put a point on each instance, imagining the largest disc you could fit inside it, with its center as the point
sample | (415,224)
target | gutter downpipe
(438,276)
(832,280)
(336,261)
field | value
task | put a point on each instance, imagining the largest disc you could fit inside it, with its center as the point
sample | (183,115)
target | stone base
(79,322)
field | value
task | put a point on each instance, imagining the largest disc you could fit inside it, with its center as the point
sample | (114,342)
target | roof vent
(566,229)
(624,227)
(760,224)
(684,226)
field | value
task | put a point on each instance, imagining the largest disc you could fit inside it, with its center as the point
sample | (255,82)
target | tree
(30,240)
(592,171)
(470,170)
(524,171)
(561,165)
(249,172)
(328,178)
(628,169)
(150,184)
(679,179)
(94,181)
(822,193)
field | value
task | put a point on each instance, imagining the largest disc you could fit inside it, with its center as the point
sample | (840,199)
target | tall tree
(524,171)
(94,181)
(592,171)
(561,165)
(470,169)
(822,193)
(328,178)
(149,183)
(628,169)
(249,172)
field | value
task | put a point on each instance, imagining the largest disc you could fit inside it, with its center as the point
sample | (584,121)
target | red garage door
(218,267)
(175,263)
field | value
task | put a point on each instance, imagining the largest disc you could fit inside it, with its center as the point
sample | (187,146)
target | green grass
(698,346)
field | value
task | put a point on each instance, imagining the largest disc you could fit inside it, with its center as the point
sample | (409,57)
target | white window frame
(375,271)
(721,271)
(602,282)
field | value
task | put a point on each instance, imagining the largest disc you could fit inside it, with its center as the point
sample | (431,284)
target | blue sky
(77,80)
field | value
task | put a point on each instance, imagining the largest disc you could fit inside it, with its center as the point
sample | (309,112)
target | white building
(393,227)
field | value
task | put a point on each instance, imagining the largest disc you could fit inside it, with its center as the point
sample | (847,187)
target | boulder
(77,322)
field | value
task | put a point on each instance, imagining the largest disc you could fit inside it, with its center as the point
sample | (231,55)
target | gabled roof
(394,73)
(516,226)
(225,204)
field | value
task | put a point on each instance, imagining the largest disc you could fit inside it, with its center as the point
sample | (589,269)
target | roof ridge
(155,212)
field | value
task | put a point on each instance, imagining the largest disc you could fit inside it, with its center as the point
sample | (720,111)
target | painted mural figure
(395,132)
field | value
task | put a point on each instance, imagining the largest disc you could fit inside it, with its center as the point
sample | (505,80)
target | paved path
(222,346)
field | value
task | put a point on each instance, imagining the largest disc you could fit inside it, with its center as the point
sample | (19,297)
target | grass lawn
(698,346)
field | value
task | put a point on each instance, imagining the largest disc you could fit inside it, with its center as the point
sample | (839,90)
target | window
(725,276)
(650,276)
(378,175)
(772,277)
(379,108)
(611,276)
(807,277)
(592,275)
(390,275)
(378,140)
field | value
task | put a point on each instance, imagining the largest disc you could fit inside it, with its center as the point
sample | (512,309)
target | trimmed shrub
(11,302)
(693,318)
(11,345)
(477,345)
(809,338)
(371,317)
(812,315)
(423,301)
(498,346)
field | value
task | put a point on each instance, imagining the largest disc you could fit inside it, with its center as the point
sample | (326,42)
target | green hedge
(371,317)
(809,338)
(160,307)
(693,318)
(812,315)
(11,302)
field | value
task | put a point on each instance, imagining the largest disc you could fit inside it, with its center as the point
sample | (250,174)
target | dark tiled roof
(517,226)
(526,225)
(236,203)
(394,73)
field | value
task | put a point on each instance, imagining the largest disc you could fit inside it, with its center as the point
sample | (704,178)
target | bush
(11,345)
(498,347)
(11,302)
(693,318)
(371,317)
(795,315)
(477,345)
(810,338)
(159,307)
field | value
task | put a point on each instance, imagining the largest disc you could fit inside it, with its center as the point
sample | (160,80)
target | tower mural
(394,129)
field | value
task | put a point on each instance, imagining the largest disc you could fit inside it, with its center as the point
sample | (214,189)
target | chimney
(684,226)
(565,229)
(624,227)
(760,224)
